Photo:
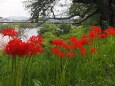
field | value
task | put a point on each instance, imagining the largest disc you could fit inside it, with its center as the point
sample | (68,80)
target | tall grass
(46,69)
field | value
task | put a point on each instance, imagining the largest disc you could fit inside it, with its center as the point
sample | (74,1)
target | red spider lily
(103,35)
(61,54)
(75,42)
(110,31)
(16,47)
(84,37)
(78,45)
(84,41)
(82,51)
(96,29)
(55,50)
(11,32)
(69,54)
(59,42)
(93,50)
(36,40)
(93,35)
(34,49)
(70,47)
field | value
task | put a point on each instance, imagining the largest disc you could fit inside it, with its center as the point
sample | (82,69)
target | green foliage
(36,82)
(94,20)
(39,8)
(89,70)
(81,9)
(84,10)
(2,26)
(27,25)
(64,28)
(48,28)
(47,69)
(48,37)
(18,25)
(76,32)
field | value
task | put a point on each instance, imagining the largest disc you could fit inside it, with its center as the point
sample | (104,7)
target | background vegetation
(46,69)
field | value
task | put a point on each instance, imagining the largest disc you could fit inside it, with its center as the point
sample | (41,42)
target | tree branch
(95,12)
(89,16)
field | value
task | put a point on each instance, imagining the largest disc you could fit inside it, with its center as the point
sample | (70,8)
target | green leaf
(36,82)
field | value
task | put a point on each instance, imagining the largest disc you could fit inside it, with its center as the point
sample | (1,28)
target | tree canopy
(45,8)
(39,8)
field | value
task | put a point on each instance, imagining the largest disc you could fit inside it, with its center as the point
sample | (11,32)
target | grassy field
(93,64)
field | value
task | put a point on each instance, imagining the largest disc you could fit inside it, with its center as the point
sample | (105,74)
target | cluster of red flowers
(11,32)
(61,54)
(96,32)
(75,43)
(16,47)
(72,44)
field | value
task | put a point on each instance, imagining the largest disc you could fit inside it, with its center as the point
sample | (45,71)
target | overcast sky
(12,8)
(16,8)
(62,7)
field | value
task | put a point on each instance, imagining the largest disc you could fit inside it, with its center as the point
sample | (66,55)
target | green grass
(46,69)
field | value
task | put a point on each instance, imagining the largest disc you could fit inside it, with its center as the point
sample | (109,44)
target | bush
(48,28)
(64,28)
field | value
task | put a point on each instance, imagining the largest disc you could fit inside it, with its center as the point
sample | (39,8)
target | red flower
(92,35)
(61,54)
(78,45)
(103,35)
(75,42)
(110,31)
(34,49)
(84,41)
(84,37)
(69,54)
(55,51)
(59,42)
(70,47)
(16,47)
(96,29)
(9,32)
(93,50)
(36,40)
(83,51)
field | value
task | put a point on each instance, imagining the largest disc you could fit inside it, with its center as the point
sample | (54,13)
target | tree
(39,8)
(84,11)
(106,9)
(44,8)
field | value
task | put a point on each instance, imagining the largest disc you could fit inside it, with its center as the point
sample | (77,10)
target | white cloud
(12,8)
